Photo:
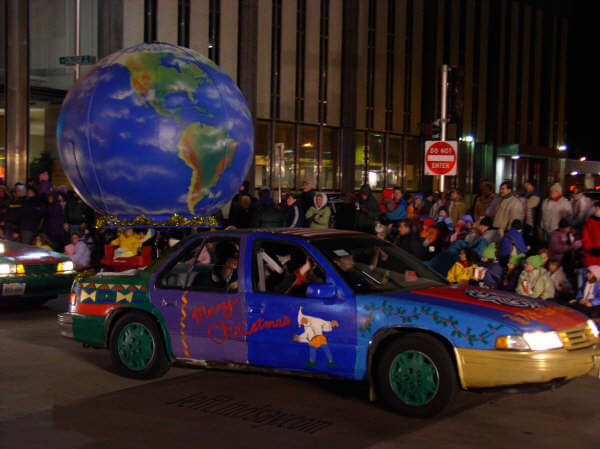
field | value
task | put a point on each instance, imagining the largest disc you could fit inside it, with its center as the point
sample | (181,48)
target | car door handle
(168,302)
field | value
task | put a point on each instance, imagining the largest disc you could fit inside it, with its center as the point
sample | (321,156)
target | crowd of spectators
(516,241)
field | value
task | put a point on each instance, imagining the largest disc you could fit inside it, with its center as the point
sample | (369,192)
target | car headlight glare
(8,268)
(2,248)
(65,266)
(591,324)
(530,341)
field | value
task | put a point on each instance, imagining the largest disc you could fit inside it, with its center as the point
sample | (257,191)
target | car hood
(519,311)
(15,252)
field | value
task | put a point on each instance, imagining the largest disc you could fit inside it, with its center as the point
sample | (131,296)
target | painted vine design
(426,312)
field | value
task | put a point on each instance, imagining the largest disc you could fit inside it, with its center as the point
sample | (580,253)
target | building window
(283,172)
(323,59)
(276,59)
(262,143)
(394,161)
(300,58)
(183,23)
(375,176)
(307,154)
(214,28)
(414,154)
(330,142)
(360,156)
(149,20)
(371,56)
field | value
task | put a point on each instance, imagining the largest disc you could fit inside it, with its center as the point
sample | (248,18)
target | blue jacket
(399,213)
(493,276)
(596,299)
(294,215)
(507,243)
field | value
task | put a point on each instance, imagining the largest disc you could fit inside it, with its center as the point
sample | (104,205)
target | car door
(289,329)
(204,311)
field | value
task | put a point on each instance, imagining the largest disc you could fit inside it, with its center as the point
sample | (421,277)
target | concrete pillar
(348,100)
(17,91)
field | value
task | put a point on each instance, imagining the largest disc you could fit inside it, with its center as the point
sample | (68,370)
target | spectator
(512,273)
(267,215)
(535,281)
(78,252)
(31,216)
(581,205)
(429,236)
(513,243)
(591,238)
(417,209)
(532,205)
(41,241)
(294,213)
(457,207)
(554,208)
(44,185)
(463,271)
(492,273)
(54,221)
(13,212)
(562,287)
(484,199)
(441,201)
(345,217)
(509,208)
(319,214)
(368,210)
(307,197)
(399,212)
(128,242)
(589,294)
(409,240)
(75,212)
(563,243)
(240,216)
(443,217)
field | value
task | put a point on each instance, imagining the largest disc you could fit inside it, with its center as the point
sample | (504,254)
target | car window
(209,265)
(369,265)
(283,268)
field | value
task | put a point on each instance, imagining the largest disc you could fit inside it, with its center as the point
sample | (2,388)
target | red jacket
(387,196)
(591,241)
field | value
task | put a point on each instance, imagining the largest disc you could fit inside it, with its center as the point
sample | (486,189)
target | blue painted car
(328,302)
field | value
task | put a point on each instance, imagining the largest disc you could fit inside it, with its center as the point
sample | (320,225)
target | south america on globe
(155,130)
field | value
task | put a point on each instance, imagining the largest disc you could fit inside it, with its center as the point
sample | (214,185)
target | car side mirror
(324,291)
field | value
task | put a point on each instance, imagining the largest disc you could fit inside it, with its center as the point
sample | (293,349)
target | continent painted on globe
(207,166)
(155,130)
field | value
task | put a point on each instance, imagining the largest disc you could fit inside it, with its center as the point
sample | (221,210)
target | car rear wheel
(136,347)
(416,376)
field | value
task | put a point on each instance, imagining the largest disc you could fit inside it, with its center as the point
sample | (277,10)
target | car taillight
(73,299)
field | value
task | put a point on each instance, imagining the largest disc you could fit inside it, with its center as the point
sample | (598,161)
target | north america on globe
(155,130)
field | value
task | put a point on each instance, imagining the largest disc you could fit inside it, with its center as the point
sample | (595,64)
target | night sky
(583,101)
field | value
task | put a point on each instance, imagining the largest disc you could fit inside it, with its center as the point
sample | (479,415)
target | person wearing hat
(489,273)
(589,293)
(368,210)
(562,243)
(513,242)
(555,207)
(416,208)
(509,209)
(484,230)
(514,267)
(429,234)
(534,280)
(318,215)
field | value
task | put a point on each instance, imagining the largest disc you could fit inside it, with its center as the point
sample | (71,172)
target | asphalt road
(56,394)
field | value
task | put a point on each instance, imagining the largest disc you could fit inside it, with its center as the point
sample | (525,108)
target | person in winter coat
(408,240)
(535,281)
(32,212)
(512,273)
(589,294)
(400,206)
(492,274)
(294,213)
(240,216)
(78,251)
(563,243)
(463,271)
(417,209)
(562,287)
(484,199)
(554,208)
(591,238)
(486,231)
(267,215)
(532,206)
(513,243)
(509,209)
(368,210)
(581,205)
(457,207)
(54,221)
(318,215)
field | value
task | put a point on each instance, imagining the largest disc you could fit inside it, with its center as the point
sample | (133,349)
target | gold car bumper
(496,368)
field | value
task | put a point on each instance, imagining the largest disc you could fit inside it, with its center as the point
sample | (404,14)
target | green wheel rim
(135,346)
(414,378)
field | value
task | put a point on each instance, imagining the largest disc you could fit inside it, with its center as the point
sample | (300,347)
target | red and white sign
(440,157)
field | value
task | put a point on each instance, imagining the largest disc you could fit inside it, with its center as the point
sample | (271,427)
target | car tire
(415,376)
(136,347)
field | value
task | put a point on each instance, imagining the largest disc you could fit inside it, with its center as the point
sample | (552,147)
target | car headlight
(65,266)
(591,324)
(7,269)
(530,341)
(2,248)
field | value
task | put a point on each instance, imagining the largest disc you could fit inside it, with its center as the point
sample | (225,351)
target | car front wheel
(136,347)
(416,376)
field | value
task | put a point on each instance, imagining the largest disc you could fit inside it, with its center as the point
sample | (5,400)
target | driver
(224,275)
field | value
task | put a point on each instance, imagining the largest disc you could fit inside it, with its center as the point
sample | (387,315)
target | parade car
(29,274)
(333,303)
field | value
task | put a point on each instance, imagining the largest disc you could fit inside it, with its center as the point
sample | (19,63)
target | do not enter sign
(440,157)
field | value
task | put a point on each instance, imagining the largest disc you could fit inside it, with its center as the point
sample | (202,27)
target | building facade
(344,92)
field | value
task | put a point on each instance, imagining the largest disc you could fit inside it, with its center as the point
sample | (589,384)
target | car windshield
(371,265)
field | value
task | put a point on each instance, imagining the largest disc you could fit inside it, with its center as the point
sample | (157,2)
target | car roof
(306,233)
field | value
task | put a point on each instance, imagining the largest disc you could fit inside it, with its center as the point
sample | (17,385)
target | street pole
(443,102)
(77,31)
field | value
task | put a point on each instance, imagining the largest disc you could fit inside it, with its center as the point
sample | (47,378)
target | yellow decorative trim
(496,368)
(85,295)
(184,302)
(124,297)
(142,220)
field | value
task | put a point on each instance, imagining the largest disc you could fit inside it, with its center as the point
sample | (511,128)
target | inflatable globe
(155,130)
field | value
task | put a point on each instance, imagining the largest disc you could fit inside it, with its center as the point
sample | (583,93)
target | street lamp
(563,147)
